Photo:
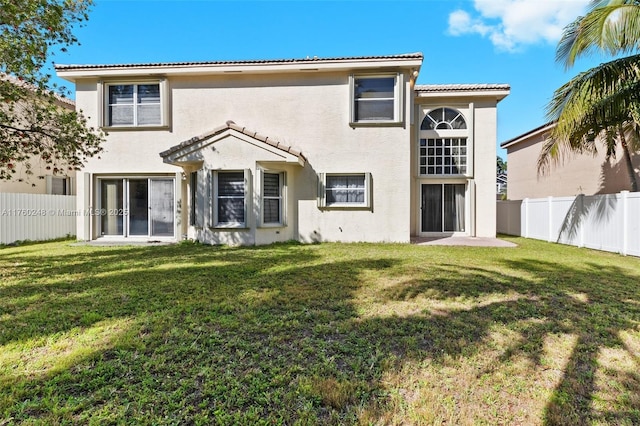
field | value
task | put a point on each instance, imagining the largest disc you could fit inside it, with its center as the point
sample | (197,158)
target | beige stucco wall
(575,174)
(481,117)
(309,112)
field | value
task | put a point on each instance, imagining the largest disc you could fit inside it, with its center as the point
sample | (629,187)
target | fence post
(526,217)
(625,222)
(580,213)
(550,219)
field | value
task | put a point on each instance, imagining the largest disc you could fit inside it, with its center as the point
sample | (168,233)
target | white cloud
(513,24)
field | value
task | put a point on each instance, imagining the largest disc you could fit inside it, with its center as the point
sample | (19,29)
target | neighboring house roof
(62,101)
(411,60)
(526,136)
(170,154)
(499,91)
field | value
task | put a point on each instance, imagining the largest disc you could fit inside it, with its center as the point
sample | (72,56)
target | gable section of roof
(196,142)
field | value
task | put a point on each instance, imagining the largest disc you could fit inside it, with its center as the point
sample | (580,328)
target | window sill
(376,124)
(231,227)
(130,128)
(445,176)
(346,207)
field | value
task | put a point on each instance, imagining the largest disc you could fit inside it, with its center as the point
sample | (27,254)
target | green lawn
(318,334)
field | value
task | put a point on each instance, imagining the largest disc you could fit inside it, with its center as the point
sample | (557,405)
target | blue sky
(463,41)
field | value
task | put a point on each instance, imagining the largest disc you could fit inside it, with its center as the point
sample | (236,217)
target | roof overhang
(493,91)
(404,61)
(538,131)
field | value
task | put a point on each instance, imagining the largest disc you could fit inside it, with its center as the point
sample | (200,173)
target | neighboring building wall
(40,182)
(575,174)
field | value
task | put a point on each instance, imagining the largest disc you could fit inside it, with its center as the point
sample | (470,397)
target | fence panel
(509,217)
(538,210)
(606,222)
(633,224)
(36,217)
(603,225)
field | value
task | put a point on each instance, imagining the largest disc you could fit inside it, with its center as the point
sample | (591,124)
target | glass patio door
(137,207)
(162,200)
(443,207)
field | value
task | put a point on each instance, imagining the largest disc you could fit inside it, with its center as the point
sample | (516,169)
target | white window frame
(322,192)
(452,156)
(193,198)
(397,98)
(246,197)
(443,134)
(282,197)
(68,185)
(162,85)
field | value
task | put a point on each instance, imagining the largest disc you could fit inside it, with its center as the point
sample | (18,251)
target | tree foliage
(35,121)
(501,165)
(603,103)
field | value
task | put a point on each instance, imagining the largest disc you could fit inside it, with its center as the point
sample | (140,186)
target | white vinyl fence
(609,222)
(36,217)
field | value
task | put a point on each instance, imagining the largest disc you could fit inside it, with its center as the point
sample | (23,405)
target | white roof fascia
(80,71)
(535,132)
(497,94)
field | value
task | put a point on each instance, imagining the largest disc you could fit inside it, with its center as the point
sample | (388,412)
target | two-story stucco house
(316,149)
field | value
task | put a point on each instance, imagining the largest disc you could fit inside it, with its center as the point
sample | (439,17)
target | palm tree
(602,103)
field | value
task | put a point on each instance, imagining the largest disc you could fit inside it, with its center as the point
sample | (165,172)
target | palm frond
(612,80)
(611,27)
(590,108)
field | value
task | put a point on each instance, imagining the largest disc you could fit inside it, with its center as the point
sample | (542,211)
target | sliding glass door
(443,207)
(137,207)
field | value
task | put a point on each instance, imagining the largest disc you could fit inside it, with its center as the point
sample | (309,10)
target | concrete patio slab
(113,243)
(462,241)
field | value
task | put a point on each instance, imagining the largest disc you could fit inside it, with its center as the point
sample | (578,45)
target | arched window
(443,147)
(443,118)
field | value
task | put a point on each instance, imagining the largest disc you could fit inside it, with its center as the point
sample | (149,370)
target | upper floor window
(444,146)
(134,105)
(442,119)
(376,99)
(443,156)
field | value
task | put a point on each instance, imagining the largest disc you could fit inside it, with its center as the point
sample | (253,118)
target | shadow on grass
(275,334)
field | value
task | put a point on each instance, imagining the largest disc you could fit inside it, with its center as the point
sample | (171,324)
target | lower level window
(346,190)
(272,189)
(230,204)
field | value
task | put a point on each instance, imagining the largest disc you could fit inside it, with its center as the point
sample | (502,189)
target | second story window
(444,148)
(376,99)
(133,105)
